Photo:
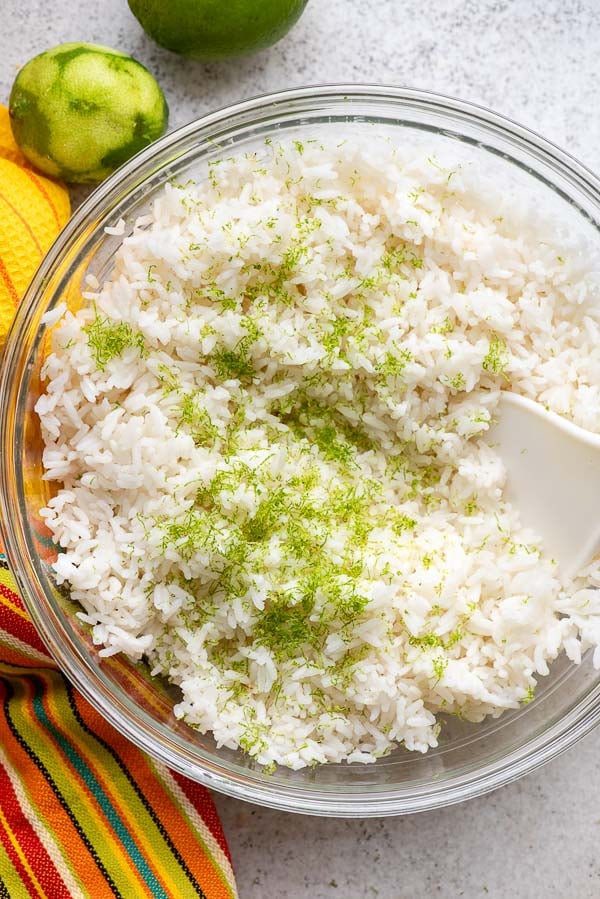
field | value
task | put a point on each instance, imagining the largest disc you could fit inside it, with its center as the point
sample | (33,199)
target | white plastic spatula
(553,478)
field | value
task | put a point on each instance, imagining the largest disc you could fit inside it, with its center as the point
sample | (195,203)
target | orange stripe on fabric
(221,866)
(11,600)
(134,771)
(13,615)
(90,816)
(44,797)
(138,686)
(110,789)
(44,193)
(9,284)
(194,793)
(183,836)
(7,578)
(24,222)
(11,620)
(17,852)
(16,656)
(65,885)
(12,656)
(42,867)
(43,540)
(13,857)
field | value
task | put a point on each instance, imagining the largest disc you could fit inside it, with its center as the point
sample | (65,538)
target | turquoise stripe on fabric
(47,541)
(104,802)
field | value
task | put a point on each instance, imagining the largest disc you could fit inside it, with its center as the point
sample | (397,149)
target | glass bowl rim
(376,802)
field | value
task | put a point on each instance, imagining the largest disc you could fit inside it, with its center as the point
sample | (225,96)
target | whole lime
(216,29)
(78,111)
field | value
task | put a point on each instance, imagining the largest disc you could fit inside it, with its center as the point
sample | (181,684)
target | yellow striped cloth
(83,812)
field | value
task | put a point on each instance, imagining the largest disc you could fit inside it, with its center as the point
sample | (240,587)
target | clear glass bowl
(471,759)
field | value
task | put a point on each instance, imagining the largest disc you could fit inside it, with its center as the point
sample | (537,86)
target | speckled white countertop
(537,61)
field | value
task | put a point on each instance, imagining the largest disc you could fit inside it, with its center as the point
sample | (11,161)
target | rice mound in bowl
(268,427)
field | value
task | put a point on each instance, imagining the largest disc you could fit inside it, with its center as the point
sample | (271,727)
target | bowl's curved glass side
(470,758)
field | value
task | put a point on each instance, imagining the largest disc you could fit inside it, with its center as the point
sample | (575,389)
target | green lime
(78,111)
(215,29)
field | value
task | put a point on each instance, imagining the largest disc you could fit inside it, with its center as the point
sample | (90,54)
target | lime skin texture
(79,111)
(216,29)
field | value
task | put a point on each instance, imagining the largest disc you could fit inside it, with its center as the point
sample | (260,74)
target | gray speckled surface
(539,62)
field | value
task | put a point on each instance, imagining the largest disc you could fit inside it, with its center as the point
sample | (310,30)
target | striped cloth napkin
(83,812)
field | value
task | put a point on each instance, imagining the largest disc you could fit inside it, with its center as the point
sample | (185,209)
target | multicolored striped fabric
(83,812)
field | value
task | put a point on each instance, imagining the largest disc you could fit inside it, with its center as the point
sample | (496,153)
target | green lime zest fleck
(427,641)
(196,529)
(434,641)
(529,696)
(266,519)
(168,379)
(253,735)
(292,257)
(107,339)
(228,480)
(285,628)
(439,665)
(497,357)
(333,447)
(327,428)
(455,637)
(393,364)
(446,327)
(197,421)
(218,295)
(393,259)
(403,523)
(234,363)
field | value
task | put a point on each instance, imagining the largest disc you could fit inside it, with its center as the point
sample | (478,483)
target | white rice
(269,432)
